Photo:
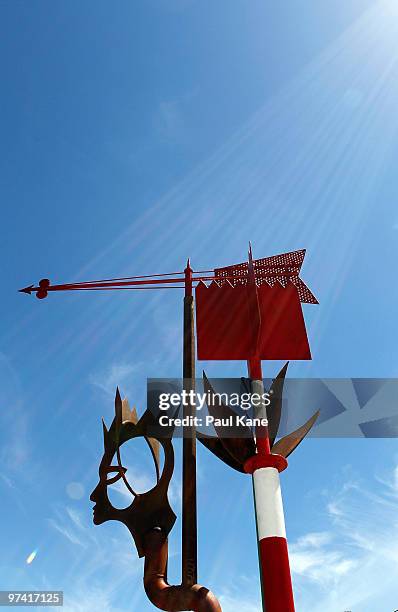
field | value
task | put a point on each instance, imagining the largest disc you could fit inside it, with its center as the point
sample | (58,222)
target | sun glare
(31,557)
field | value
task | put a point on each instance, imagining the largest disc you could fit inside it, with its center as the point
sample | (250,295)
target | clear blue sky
(136,134)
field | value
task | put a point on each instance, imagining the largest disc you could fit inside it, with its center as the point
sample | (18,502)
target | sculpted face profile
(149,517)
(150,510)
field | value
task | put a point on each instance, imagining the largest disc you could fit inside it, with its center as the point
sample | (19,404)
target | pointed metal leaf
(118,410)
(285,446)
(215,446)
(241,448)
(274,410)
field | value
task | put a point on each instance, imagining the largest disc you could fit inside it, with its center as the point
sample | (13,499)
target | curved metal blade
(274,410)
(154,446)
(285,446)
(215,446)
(241,448)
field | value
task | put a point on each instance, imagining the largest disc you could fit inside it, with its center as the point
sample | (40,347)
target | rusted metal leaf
(274,410)
(285,446)
(214,445)
(239,448)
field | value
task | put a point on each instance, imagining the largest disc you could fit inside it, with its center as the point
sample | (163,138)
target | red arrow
(146,282)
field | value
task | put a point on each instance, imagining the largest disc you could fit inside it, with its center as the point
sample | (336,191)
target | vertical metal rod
(254,371)
(189,518)
(257,386)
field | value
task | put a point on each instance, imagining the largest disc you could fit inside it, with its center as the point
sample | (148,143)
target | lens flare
(31,557)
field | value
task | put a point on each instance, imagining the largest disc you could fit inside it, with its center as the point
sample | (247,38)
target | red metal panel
(227,328)
(283,334)
(223,323)
(272,270)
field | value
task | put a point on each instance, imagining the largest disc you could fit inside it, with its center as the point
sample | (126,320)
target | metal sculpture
(249,311)
(244,454)
(149,518)
(148,510)
(252,311)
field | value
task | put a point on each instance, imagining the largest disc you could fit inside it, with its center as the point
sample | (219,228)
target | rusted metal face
(148,510)
(149,518)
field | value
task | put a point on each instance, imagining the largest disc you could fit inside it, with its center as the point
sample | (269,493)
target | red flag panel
(228,327)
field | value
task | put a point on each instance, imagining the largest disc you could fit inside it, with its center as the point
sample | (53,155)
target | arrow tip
(27,289)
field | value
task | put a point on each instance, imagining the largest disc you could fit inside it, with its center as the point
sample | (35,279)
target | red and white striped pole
(276,582)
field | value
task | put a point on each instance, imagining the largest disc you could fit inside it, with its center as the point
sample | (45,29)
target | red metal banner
(237,320)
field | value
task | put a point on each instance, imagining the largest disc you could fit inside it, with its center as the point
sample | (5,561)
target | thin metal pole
(254,371)
(189,518)
(275,577)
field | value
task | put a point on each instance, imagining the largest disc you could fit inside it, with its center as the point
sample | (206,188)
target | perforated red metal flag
(239,317)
